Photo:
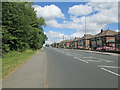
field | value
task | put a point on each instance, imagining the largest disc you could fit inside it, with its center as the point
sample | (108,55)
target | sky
(67,19)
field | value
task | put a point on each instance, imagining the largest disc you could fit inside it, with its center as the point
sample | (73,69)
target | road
(66,68)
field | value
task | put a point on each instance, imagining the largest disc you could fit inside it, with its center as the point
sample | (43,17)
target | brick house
(65,43)
(76,42)
(117,39)
(85,41)
(104,38)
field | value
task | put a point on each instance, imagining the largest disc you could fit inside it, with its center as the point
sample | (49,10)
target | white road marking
(107,66)
(68,54)
(86,57)
(80,59)
(102,59)
(110,71)
(93,60)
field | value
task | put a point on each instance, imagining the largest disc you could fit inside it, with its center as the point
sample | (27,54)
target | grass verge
(13,59)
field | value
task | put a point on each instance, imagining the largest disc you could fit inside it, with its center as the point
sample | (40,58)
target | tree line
(21,29)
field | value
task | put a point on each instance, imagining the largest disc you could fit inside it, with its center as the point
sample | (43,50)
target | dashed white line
(107,66)
(110,71)
(93,60)
(68,54)
(80,59)
(102,59)
(85,57)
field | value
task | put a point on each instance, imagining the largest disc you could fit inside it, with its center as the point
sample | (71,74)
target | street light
(85,34)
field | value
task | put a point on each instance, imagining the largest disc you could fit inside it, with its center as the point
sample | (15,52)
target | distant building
(65,43)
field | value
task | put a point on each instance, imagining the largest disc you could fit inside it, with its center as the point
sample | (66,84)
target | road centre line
(110,71)
(107,66)
(80,59)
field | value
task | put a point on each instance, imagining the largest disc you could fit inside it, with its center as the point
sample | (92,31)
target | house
(104,38)
(62,43)
(65,43)
(117,40)
(76,42)
(84,42)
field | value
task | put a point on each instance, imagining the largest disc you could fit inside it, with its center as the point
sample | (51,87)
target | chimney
(102,30)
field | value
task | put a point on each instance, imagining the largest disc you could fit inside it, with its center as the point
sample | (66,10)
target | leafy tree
(21,29)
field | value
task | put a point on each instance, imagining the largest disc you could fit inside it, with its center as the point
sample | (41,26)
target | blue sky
(67,18)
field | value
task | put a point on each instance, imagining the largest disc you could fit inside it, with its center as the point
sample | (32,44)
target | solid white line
(110,71)
(108,66)
(80,59)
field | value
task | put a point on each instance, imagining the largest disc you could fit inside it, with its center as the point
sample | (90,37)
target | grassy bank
(13,59)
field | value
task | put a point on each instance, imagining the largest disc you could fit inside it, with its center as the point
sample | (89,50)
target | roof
(86,36)
(66,41)
(106,33)
(76,38)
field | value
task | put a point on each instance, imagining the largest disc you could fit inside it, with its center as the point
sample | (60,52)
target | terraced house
(65,43)
(117,40)
(104,38)
(84,42)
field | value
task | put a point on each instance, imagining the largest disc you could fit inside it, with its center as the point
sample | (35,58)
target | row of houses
(106,39)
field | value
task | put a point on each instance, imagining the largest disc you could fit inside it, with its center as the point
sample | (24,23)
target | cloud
(104,0)
(79,10)
(107,13)
(53,23)
(55,36)
(48,12)
(117,30)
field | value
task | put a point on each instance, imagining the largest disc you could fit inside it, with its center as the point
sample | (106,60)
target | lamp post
(85,34)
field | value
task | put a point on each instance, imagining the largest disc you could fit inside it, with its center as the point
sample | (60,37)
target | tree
(21,29)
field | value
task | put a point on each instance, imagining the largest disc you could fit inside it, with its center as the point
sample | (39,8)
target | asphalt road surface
(66,68)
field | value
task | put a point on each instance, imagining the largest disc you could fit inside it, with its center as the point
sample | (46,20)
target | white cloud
(117,30)
(53,23)
(77,34)
(55,36)
(104,0)
(48,12)
(107,13)
(79,10)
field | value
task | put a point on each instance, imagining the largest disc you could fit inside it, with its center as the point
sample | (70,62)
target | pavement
(30,75)
(66,68)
